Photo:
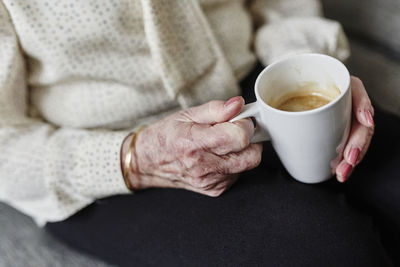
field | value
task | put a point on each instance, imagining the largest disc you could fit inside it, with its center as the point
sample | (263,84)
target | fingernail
(369,118)
(353,155)
(231,101)
(346,169)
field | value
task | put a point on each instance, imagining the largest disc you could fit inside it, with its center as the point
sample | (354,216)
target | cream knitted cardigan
(76,77)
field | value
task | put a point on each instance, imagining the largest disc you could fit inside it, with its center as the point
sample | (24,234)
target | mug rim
(306,112)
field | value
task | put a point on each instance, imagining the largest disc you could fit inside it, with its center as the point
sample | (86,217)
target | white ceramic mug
(309,143)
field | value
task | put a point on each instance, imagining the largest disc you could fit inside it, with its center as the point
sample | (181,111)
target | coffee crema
(308,96)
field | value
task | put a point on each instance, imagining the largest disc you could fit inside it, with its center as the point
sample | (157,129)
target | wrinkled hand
(196,149)
(362,130)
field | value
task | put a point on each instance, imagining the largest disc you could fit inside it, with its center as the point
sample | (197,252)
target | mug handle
(251,110)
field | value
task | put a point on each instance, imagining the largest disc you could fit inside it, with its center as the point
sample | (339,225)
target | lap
(375,184)
(266,218)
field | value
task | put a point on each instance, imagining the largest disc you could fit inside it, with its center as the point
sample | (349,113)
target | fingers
(204,167)
(212,132)
(216,182)
(224,138)
(362,106)
(214,111)
(237,162)
(343,171)
(355,150)
(358,143)
(362,130)
(214,189)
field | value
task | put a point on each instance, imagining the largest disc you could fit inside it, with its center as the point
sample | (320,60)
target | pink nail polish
(346,169)
(231,101)
(369,117)
(353,155)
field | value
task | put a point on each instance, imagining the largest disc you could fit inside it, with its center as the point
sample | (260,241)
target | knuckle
(215,193)
(198,182)
(370,132)
(186,114)
(197,172)
(234,164)
(180,147)
(212,106)
(247,164)
(242,137)
(357,79)
(221,139)
(257,160)
(213,103)
(203,183)
(250,160)
(221,169)
(243,164)
(185,147)
(244,141)
(192,162)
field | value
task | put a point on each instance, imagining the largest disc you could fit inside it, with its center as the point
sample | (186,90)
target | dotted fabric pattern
(77,76)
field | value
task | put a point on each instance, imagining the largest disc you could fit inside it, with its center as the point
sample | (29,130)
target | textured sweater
(77,76)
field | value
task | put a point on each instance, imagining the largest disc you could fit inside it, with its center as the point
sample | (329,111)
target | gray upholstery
(378,20)
(374,30)
(23,244)
(380,74)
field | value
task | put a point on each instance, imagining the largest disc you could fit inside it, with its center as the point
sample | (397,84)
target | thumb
(216,111)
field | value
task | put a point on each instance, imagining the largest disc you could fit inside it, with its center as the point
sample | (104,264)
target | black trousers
(265,219)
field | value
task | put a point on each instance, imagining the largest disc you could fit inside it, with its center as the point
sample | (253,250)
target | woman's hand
(362,130)
(196,149)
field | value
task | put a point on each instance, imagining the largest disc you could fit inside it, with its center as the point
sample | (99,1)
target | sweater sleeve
(287,27)
(48,172)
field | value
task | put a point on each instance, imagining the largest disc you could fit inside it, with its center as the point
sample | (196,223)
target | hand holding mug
(304,107)
(362,130)
(196,149)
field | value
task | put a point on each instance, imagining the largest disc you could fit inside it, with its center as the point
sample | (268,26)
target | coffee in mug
(307,96)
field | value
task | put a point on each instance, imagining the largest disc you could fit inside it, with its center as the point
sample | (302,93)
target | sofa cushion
(377,20)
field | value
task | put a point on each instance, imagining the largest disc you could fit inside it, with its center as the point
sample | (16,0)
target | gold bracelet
(128,158)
